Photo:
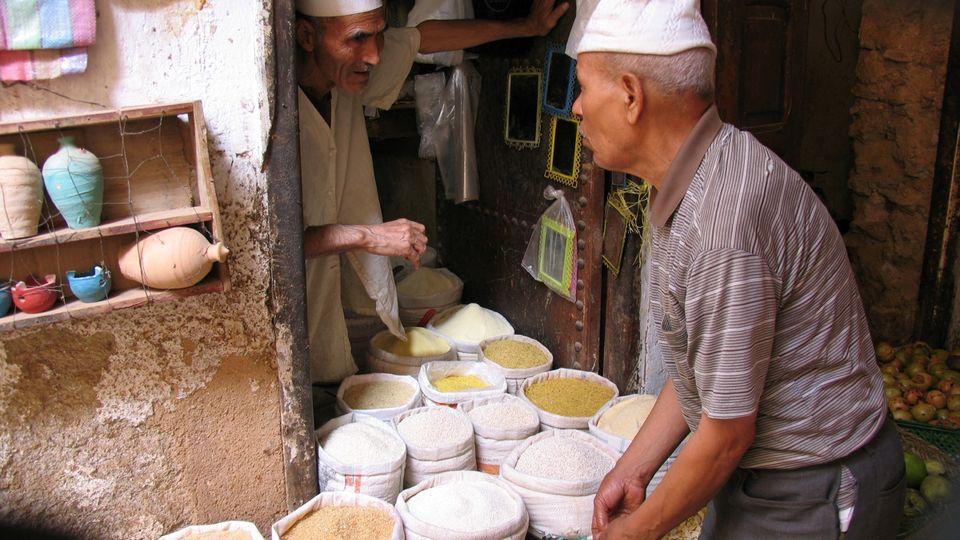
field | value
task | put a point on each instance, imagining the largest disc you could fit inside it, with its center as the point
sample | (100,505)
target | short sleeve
(399,50)
(731,311)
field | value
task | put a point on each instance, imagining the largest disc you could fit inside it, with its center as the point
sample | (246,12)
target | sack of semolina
(381,395)
(390,354)
(467,325)
(227,530)
(452,383)
(567,398)
(340,516)
(438,439)
(362,454)
(517,357)
(500,423)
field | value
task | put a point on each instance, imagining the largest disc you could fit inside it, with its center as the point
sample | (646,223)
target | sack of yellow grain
(452,383)
(517,357)
(567,398)
(227,530)
(390,354)
(340,515)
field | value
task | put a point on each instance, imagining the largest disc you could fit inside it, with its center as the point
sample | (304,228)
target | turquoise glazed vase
(74,181)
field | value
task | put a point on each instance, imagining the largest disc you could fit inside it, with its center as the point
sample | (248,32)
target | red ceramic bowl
(32,296)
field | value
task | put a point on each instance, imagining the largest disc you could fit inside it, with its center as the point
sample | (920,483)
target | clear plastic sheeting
(454,134)
(549,257)
(429,93)
(425,10)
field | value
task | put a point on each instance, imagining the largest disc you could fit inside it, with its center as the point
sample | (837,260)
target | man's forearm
(334,238)
(660,434)
(440,35)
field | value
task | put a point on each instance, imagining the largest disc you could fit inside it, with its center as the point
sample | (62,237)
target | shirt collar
(664,201)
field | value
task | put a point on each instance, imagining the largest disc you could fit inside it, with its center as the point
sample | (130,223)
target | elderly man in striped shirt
(764,338)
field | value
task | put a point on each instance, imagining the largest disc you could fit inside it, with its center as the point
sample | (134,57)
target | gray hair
(688,71)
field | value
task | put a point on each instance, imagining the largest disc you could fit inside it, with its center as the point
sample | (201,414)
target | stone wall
(896,122)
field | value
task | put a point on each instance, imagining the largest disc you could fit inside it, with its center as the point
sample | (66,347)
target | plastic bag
(551,251)
(454,134)
(425,10)
(429,93)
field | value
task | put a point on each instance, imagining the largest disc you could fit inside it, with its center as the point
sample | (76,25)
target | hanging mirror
(614,237)
(561,79)
(563,161)
(522,112)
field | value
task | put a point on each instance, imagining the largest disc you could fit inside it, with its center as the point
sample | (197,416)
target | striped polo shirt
(755,304)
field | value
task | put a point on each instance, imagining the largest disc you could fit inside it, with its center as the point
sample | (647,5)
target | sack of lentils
(340,516)
(516,357)
(380,395)
(462,505)
(362,454)
(557,474)
(500,423)
(452,383)
(390,354)
(227,530)
(468,325)
(567,398)
(438,439)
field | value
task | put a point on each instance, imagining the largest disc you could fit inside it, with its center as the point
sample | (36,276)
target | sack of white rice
(617,422)
(462,505)
(452,383)
(557,474)
(227,530)
(380,395)
(429,288)
(500,423)
(361,454)
(467,325)
(567,398)
(517,357)
(438,439)
(390,354)
(340,516)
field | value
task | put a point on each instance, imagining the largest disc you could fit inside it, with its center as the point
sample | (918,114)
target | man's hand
(400,237)
(620,493)
(544,16)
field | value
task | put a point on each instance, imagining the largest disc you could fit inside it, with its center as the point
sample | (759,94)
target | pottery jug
(21,194)
(173,258)
(36,296)
(91,286)
(74,180)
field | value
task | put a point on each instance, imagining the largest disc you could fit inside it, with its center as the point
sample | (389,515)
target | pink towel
(43,39)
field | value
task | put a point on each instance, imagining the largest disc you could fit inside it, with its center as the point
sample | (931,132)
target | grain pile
(472,323)
(513,354)
(434,428)
(361,444)
(218,535)
(343,523)
(564,458)
(503,415)
(425,281)
(569,396)
(464,506)
(421,343)
(625,417)
(459,383)
(378,395)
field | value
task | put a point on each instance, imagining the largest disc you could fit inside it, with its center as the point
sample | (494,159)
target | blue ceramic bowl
(6,299)
(92,286)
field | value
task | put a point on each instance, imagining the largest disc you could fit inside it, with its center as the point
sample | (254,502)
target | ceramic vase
(74,180)
(21,194)
(173,258)
(92,286)
(33,296)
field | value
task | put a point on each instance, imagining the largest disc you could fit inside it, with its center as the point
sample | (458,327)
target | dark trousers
(802,503)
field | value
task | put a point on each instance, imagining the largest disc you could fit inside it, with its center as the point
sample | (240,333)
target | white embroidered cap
(336,8)
(660,27)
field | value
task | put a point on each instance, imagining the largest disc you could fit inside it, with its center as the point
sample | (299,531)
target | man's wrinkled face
(600,109)
(349,48)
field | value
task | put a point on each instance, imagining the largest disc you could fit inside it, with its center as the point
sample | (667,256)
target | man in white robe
(347,58)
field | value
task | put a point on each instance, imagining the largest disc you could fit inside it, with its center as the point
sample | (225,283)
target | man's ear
(632,88)
(306,34)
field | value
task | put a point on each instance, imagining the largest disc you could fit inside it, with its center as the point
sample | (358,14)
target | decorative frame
(561,78)
(521,112)
(557,276)
(614,237)
(563,160)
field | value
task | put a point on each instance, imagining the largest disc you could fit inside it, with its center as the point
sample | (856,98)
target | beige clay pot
(173,258)
(21,194)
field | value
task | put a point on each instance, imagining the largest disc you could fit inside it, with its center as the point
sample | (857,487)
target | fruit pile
(926,484)
(922,384)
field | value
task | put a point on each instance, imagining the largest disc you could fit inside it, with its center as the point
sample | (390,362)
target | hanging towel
(43,39)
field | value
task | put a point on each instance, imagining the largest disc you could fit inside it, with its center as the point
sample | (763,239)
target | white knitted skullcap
(660,27)
(336,8)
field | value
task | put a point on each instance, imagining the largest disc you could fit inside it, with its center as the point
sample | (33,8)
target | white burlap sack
(434,371)
(556,506)
(426,462)
(466,349)
(381,480)
(550,420)
(515,377)
(494,443)
(512,526)
(244,526)
(384,414)
(336,499)
(380,360)
(444,297)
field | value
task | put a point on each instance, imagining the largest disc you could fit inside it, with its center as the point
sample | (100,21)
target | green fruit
(902,415)
(950,375)
(935,467)
(953,403)
(940,355)
(923,412)
(914,504)
(935,488)
(892,392)
(916,469)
